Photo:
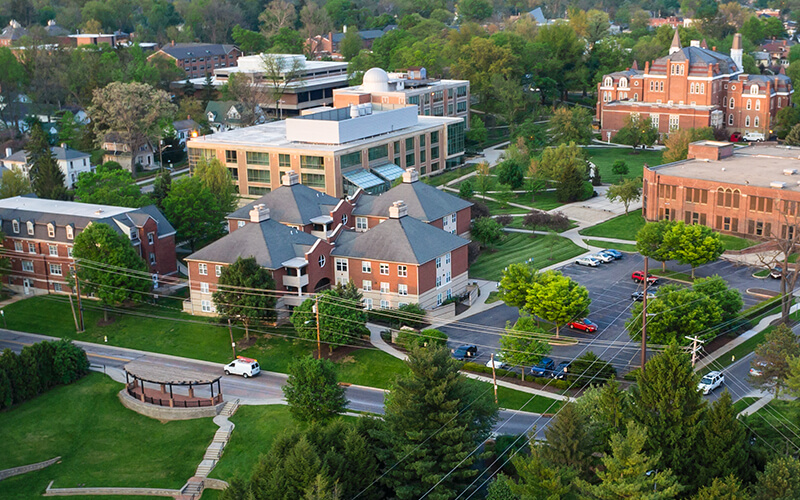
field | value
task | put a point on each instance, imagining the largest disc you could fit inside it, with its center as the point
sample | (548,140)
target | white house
(71,162)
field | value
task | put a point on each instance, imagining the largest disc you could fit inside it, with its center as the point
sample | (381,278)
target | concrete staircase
(192,490)
(230,408)
(205,468)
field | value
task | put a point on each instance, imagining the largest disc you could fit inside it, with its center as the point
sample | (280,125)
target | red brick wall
(356,274)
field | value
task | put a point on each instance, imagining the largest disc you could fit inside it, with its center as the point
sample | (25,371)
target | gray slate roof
(187,124)
(296,204)
(184,50)
(424,202)
(538,15)
(270,242)
(398,240)
(59,152)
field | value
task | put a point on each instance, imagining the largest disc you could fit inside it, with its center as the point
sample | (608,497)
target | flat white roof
(62,207)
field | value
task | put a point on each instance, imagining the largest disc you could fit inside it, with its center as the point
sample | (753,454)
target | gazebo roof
(159,374)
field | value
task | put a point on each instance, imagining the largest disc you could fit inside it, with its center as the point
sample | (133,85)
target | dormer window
(608,82)
(15,226)
(754,89)
(623,83)
(51,230)
(30,228)
(70,232)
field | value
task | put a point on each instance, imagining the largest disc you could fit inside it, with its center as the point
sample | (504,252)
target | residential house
(328,45)
(199,59)
(118,151)
(185,129)
(11,33)
(71,162)
(54,30)
(224,115)
(40,235)
(777,52)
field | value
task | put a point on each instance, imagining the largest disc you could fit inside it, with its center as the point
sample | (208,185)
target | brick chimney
(259,213)
(290,178)
(410,175)
(398,209)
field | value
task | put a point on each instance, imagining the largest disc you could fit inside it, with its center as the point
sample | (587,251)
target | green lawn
(101,442)
(516,223)
(623,227)
(604,158)
(448,175)
(518,247)
(493,297)
(673,275)
(743,403)
(167,331)
(622,247)
(544,201)
(735,243)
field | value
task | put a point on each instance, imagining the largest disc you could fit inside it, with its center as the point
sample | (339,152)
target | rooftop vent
(777,184)
(398,209)
(259,213)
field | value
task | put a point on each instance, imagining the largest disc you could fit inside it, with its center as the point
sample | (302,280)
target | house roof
(14,31)
(53,29)
(220,110)
(270,242)
(538,15)
(295,204)
(424,202)
(405,239)
(185,50)
(187,124)
(63,154)
(699,59)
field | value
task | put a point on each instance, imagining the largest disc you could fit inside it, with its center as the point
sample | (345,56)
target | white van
(246,367)
(753,137)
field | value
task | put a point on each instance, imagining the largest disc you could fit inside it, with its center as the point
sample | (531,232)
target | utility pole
(78,293)
(316,311)
(694,340)
(233,344)
(494,379)
(644,315)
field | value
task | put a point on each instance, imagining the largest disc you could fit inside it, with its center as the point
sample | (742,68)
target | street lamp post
(161,149)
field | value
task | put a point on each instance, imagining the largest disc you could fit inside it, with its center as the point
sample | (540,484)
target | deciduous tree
(651,241)
(772,359)
(677,142)
(626,192)
(637,132)
(351,43)
(277,15)
(217,179)
(194,212)
(487,231)
(312,391)
(522,345)
(110,186)
(342,318)
(565,165)
(245,292)
(515,283)
(558,299)
(693,244)
(571,125)
(14,183)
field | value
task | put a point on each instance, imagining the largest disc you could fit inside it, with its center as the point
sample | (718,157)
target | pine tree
(668,404)
(728,488)
(312,391)
(570,441)
(237,296)
(161,187)
(723,445)
(47,178)
(541,480)
(500,489)
(779,481)
(434,420)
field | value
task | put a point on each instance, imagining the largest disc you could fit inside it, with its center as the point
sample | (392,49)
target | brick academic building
(752,192)
(693,87)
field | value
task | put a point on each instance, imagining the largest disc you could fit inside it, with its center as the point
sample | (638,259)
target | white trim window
(402,271)
(70,232)
(51,231)
(361,223)
(438,262)
(152,258)
(321,261)
(55,269)
(52,250)
(439,299)
(27,266)
(384,304)
(341,265)
(30,228)
(758,104)
(31,247)
(366,266)
(69,252)
(402,290)
(217,270)
(366,285)
(18,246)
(384,287)
(15,226)
(447,258)
(731,103)
(202,269)
(205,306)
(674,122)
(447,277)
(151,238)
(654,120)
(203,287)
(438,281)
(384,269)
(368,304)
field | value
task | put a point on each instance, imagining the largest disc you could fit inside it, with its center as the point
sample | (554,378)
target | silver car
(588,261)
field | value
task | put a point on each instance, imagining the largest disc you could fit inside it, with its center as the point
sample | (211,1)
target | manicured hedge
(38,368)
(425,338)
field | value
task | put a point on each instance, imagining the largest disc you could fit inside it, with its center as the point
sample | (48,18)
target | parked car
(588,261)
(638,276)
(753,136)
(465,351)
(602,257)
(776,272)
(246,367)
(757,368)
(499,364)
(584,325)
(614,253)
(562,369)
(711,381)
(639,296)
(544,368)
(736,137)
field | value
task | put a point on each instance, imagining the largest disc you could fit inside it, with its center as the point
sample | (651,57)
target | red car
(584,325)
(638,276)
(736,137)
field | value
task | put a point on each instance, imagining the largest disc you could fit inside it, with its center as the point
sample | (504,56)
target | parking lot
(610,287)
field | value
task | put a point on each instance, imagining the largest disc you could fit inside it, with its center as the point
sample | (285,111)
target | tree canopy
(245,292)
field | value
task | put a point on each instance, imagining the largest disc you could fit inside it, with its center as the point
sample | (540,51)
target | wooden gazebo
(162,380)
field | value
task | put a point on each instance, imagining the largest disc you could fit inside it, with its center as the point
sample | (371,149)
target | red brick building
(752,192)
(40,234)
(199,59)
(693,87)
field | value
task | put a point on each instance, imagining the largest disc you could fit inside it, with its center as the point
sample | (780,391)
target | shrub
(411,315)
(425,338)
(70,362)
(504,220)
(480,210)
(6,393)
(543,220)
(465,189)
(620,168)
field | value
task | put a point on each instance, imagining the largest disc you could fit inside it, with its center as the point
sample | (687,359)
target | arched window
(756,122)
(608,82)
(749,104)
(731,102)
(728,198)
(758,104)
(754,89)
(691,88)
(30,227)
(730,119)
(702,88)
(623,82)
(635,97)
(747,121)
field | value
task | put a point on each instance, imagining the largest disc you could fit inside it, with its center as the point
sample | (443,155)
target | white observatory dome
(376,80)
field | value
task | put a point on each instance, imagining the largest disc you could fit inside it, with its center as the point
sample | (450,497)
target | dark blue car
(464,352)
(544,369)
(612,253)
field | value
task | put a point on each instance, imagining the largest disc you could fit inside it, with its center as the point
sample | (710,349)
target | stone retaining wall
(16,471)
(165,412)
(214,484)
(151,492)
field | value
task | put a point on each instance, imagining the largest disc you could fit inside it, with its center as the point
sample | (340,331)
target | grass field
(517,247)
(516,222)
(735,243)
(544,201)
(743,403)
(101,442)
(604,158)
(623,227)
(622,247)
(448,175)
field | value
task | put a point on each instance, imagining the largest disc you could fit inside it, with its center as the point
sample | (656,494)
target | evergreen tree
(667,403)
(629,473)
(728,488)
(779,481)
(434,419)
(161,187)
(500,489)
(772,359)
(723,447)
(312,391)
(570,441)
(540,480)
(47,178)
(245,293)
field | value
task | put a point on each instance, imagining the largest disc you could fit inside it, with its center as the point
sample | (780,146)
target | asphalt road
(610,287)
(267,385)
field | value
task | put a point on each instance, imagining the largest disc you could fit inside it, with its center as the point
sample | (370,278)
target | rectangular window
(234,173)
(151,238)
(455,138)
(350,160)
(761,204)
(341,265)
(27,266)
(674,122)
(384,287)
(230,156)
(694,195)
(409,144)
(461,106)
(434,152)
(218,271)
(31,248)
(55,269)
(15,226)
(205,306)
(203,287)
(51,231)
(366,285)
(667,192)
(447,258)
(384,269)
(447,277)
(402,271)
(435,137)
(368,304)
(57,287)
(422,156)
(422,141)
(17,246)
(254,175)
(284,161)
(257,190)
(402,290)
(69,252)
(378,152)
(53,250)
(313,180)
(438,262)
(438,281)
(202,269)
(312,162)
(384,304)
(366,266)
(410,159)
(257,158)
(361,223)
